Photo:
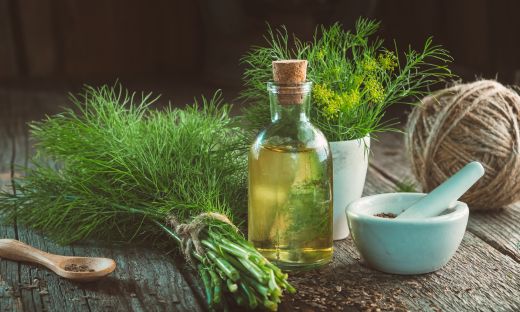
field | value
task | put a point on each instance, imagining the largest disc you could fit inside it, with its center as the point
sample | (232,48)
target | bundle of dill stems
(111,167)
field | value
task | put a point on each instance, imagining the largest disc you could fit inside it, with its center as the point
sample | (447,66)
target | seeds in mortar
(385,215)
(78,268)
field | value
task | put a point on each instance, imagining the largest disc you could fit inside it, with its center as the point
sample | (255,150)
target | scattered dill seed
(385,215)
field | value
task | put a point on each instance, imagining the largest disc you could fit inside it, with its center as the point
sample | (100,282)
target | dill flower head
(387,60)
(369,64)
(328,100)
(320,55)
(350,99)
(375,90)
(332,102)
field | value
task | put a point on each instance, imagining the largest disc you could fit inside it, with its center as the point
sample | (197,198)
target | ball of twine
(475,121)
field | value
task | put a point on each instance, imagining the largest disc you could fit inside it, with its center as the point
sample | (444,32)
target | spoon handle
(18,251)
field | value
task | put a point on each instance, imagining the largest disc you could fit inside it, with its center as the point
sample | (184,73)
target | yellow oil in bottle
(290,205)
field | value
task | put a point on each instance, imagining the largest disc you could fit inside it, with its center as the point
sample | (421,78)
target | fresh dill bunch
(113,168)
(113,151)
(355,78)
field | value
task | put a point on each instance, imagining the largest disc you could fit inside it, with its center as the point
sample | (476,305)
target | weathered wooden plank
(389,156)
(146,277)
(500,228)
(478,278)
(193,280)
(41,289)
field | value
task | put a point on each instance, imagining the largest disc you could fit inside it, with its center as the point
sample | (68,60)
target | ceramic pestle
(445,194)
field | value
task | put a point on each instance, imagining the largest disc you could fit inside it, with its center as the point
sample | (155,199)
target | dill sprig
(406,185)
(113,168)
(355,78)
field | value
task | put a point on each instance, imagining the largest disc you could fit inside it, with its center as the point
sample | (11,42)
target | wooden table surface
(484,274)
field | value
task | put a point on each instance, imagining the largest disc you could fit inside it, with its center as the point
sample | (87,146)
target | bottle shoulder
(302,134)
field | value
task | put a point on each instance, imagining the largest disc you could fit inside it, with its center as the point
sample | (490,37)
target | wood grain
(478,278)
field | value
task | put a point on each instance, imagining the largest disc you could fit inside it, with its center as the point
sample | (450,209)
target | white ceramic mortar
(405,246)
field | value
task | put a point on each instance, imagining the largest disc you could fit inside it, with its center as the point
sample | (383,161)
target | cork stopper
(290,71)
(290,74)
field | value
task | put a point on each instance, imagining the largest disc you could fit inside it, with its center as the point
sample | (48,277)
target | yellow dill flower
(375,90)
(321,93)
(350,99)
(331,110)
(354,97)
(369,64)
(320,55)
(327,100)
(387,61)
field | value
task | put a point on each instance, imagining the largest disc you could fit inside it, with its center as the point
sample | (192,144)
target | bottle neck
(291,112)
(290,103)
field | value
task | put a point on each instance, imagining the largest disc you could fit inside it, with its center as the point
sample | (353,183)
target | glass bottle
(290,184)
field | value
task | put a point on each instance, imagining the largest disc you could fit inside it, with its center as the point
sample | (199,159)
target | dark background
(184,48)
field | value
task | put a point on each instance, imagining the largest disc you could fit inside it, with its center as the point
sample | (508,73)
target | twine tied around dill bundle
(465,122)
(190,232)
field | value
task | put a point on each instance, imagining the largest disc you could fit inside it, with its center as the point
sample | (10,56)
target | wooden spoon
(18,251)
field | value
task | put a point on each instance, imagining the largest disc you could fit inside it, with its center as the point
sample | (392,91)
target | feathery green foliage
(117,153)
(355,78)
(116,169)
(406,185)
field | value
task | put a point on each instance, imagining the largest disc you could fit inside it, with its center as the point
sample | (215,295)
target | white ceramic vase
(350,164)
